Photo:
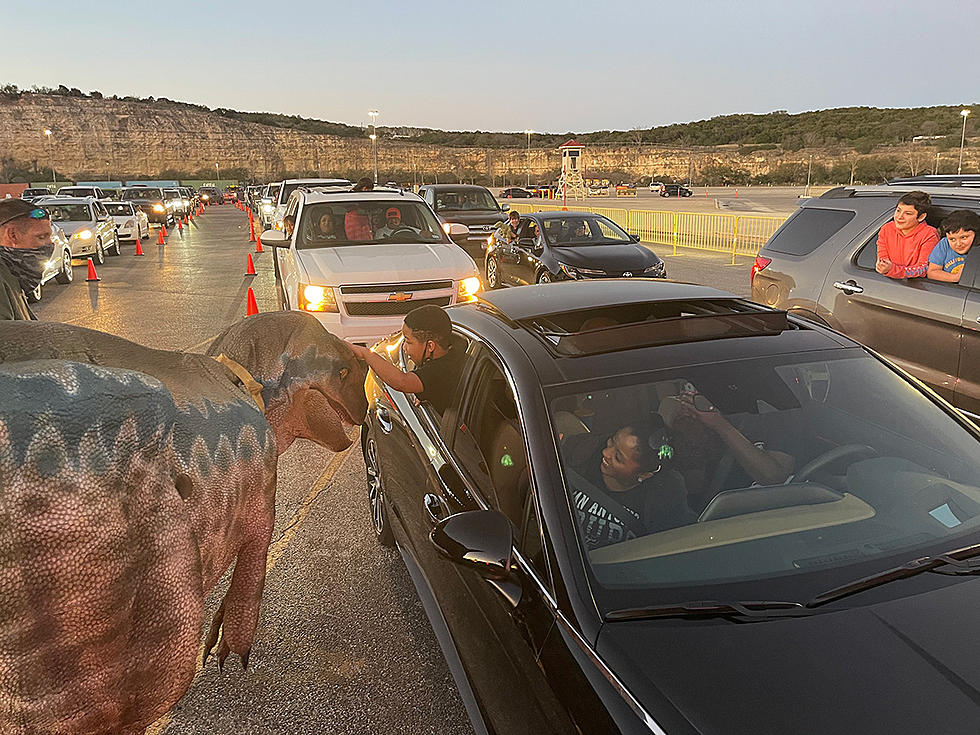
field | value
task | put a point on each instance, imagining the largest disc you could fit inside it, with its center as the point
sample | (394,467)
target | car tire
(376,495)
(493,273)
(115,249)
(544,277)
(65,275)
(34,296)
(146,234)
(99,253)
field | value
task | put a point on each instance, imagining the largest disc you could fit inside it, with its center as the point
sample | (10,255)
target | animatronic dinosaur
(128,486)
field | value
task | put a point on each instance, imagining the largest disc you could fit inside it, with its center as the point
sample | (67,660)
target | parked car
(83,191)
(29,195)
(86,223)
(465,204)
(821,264)
(210,195)
(284,189)
(58,266)
(837,600)
(570,246)
(151,199)
(267,203)
(655,186)
(675,190)
(515,192)
(131,222)
(357,275)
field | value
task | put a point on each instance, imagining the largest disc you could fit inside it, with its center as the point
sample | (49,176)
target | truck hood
(472,217)
(369,264)
(903,666)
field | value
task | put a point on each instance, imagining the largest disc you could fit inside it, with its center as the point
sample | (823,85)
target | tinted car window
(807,230)
(879,475)
(147,192)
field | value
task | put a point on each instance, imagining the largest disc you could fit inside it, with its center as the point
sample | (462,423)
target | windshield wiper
(952,562)
(751,610)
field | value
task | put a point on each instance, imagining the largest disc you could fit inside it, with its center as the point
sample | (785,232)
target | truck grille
(387,288)
(390,308)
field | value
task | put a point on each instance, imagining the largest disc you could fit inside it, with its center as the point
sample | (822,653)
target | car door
(967,394)
(522,260)
(287,269)
(915,322)
(105,227)
(500,628)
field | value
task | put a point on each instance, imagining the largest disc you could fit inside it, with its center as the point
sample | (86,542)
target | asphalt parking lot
(343,644)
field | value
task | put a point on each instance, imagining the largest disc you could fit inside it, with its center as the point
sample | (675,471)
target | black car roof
(534,301)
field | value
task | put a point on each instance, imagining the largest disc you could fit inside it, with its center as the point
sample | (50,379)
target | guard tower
(571,185)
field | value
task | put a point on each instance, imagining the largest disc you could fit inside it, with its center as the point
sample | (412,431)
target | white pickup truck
(360,261)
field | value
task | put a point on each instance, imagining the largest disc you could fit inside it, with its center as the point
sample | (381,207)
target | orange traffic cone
(250,306)
(92,275)
(249,266)
(251,231)
(139,248)
(159,237)
(163,229)
(258,245)
(190,217)
(179,225)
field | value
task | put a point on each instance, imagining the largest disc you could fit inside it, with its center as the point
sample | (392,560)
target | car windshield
(583,230)
(76,192)
(144,192)
(119,210)
(333,224)
(462,200)
(69,212)
(36,192)
(172,193)
(765,478)
(273,192)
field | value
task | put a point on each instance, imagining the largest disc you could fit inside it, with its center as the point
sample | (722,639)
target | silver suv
(821,265)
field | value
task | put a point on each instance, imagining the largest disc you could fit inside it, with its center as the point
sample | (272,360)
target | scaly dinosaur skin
(221,456)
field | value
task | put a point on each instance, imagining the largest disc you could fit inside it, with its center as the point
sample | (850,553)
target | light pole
(47,134)
(528,132)
(936,170)
(217,174)
(374,140)
(107,171)
(965,114)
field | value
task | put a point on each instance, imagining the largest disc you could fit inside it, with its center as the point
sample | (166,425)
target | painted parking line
(277,548)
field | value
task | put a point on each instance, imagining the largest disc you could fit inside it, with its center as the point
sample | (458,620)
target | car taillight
(759,264)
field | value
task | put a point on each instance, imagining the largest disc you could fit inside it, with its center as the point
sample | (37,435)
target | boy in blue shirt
(948,257)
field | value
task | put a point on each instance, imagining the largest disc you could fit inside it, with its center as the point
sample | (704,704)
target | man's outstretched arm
(387,373)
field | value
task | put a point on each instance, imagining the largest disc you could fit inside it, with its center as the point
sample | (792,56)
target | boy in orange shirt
(904,244)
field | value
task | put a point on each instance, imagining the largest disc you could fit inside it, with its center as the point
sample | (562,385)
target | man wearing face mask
(427,333)
(25,246)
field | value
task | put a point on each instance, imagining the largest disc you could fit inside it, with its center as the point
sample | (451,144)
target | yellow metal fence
(734,234)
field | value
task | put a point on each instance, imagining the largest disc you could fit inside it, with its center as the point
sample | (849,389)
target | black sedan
(515,192)
(569,246)
(657,508)
(675,190)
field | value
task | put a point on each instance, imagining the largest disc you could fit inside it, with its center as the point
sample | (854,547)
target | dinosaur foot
(216,636)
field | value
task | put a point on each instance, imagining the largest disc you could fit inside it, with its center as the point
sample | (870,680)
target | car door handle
(848,287)
(435,508)
(384,420)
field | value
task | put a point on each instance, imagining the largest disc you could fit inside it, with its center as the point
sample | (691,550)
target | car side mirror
(275,238)
(527,242)
(504,207)
(483,541)
(635,238)
(458,230)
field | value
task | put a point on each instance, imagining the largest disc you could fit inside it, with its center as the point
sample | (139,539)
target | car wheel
(146,233)
(115,249)
(34,296)
(65,275)
(99,252)
(544,277)
(376,495)
(493,273)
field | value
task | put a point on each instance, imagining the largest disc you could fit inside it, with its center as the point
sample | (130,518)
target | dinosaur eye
(344,372)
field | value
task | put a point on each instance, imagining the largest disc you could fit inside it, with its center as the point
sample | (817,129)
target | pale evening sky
(507,65)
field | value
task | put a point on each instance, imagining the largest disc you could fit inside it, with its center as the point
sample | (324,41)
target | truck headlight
(467,289)
(84,234)
(317,298)
(159,208)
(205,197)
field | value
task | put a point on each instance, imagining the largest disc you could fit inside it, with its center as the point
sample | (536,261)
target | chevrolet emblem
(401,296)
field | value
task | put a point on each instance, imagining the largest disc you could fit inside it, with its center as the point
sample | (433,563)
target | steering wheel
(401,230)
(845,451)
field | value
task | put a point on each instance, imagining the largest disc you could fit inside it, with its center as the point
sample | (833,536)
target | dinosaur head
(313,386)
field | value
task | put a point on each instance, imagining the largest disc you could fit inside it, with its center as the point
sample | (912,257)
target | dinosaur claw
(223,651)
(245,659)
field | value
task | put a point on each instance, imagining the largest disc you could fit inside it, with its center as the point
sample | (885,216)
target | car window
(119,209)
(806,230)
(871,472)
(489,442)
(69,212)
